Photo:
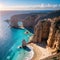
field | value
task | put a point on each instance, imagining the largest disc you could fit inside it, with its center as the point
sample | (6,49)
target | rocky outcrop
(17,18)
(28,20)
(49,31)
(54,35)
(14,23)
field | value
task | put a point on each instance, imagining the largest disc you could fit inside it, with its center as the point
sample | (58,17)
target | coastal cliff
(54,35)
(28,20)
(48,31)
(41,31)
(17,18)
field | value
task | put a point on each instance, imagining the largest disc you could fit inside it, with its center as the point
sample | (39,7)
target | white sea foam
(30,54)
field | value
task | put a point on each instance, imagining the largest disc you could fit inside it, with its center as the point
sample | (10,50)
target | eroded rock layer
(41,31)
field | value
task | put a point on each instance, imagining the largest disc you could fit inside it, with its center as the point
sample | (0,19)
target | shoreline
(31,53)
(37,52)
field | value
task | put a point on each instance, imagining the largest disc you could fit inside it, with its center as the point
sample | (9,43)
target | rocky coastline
(46,29)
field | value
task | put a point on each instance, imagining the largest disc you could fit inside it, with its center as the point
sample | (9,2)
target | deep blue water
(11,38)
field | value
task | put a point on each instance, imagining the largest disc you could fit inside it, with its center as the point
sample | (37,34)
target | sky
(29,4)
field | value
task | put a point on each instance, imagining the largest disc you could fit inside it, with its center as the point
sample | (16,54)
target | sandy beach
(39,52)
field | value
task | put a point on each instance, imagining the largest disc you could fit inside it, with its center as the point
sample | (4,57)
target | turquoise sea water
(10,39)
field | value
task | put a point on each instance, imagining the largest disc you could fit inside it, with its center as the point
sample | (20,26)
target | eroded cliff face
(41,31)
(29,21)
(48,30)
(54,36)
(17,18)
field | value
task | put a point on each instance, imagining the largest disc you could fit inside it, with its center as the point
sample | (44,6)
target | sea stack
(23,43)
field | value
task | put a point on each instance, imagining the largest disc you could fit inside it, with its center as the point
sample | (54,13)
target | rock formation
(54,35)
(48,30)
(17,18)
(41,31)
(28,20)
(14,23)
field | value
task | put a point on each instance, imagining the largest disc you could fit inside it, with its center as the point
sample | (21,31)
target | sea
(11,38)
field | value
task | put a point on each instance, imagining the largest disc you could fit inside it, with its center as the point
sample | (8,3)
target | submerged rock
(24,43)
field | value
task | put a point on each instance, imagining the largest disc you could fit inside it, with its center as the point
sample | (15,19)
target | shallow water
(10,39)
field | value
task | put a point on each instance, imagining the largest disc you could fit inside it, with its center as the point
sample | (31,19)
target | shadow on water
(43,44)
(30,29)
(26,48)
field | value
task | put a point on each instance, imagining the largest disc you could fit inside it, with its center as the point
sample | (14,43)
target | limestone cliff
(54,35)
(41,31)
(28,20)
(49,31)
(17,18)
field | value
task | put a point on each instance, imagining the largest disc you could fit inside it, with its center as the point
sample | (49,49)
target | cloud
(30,7)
